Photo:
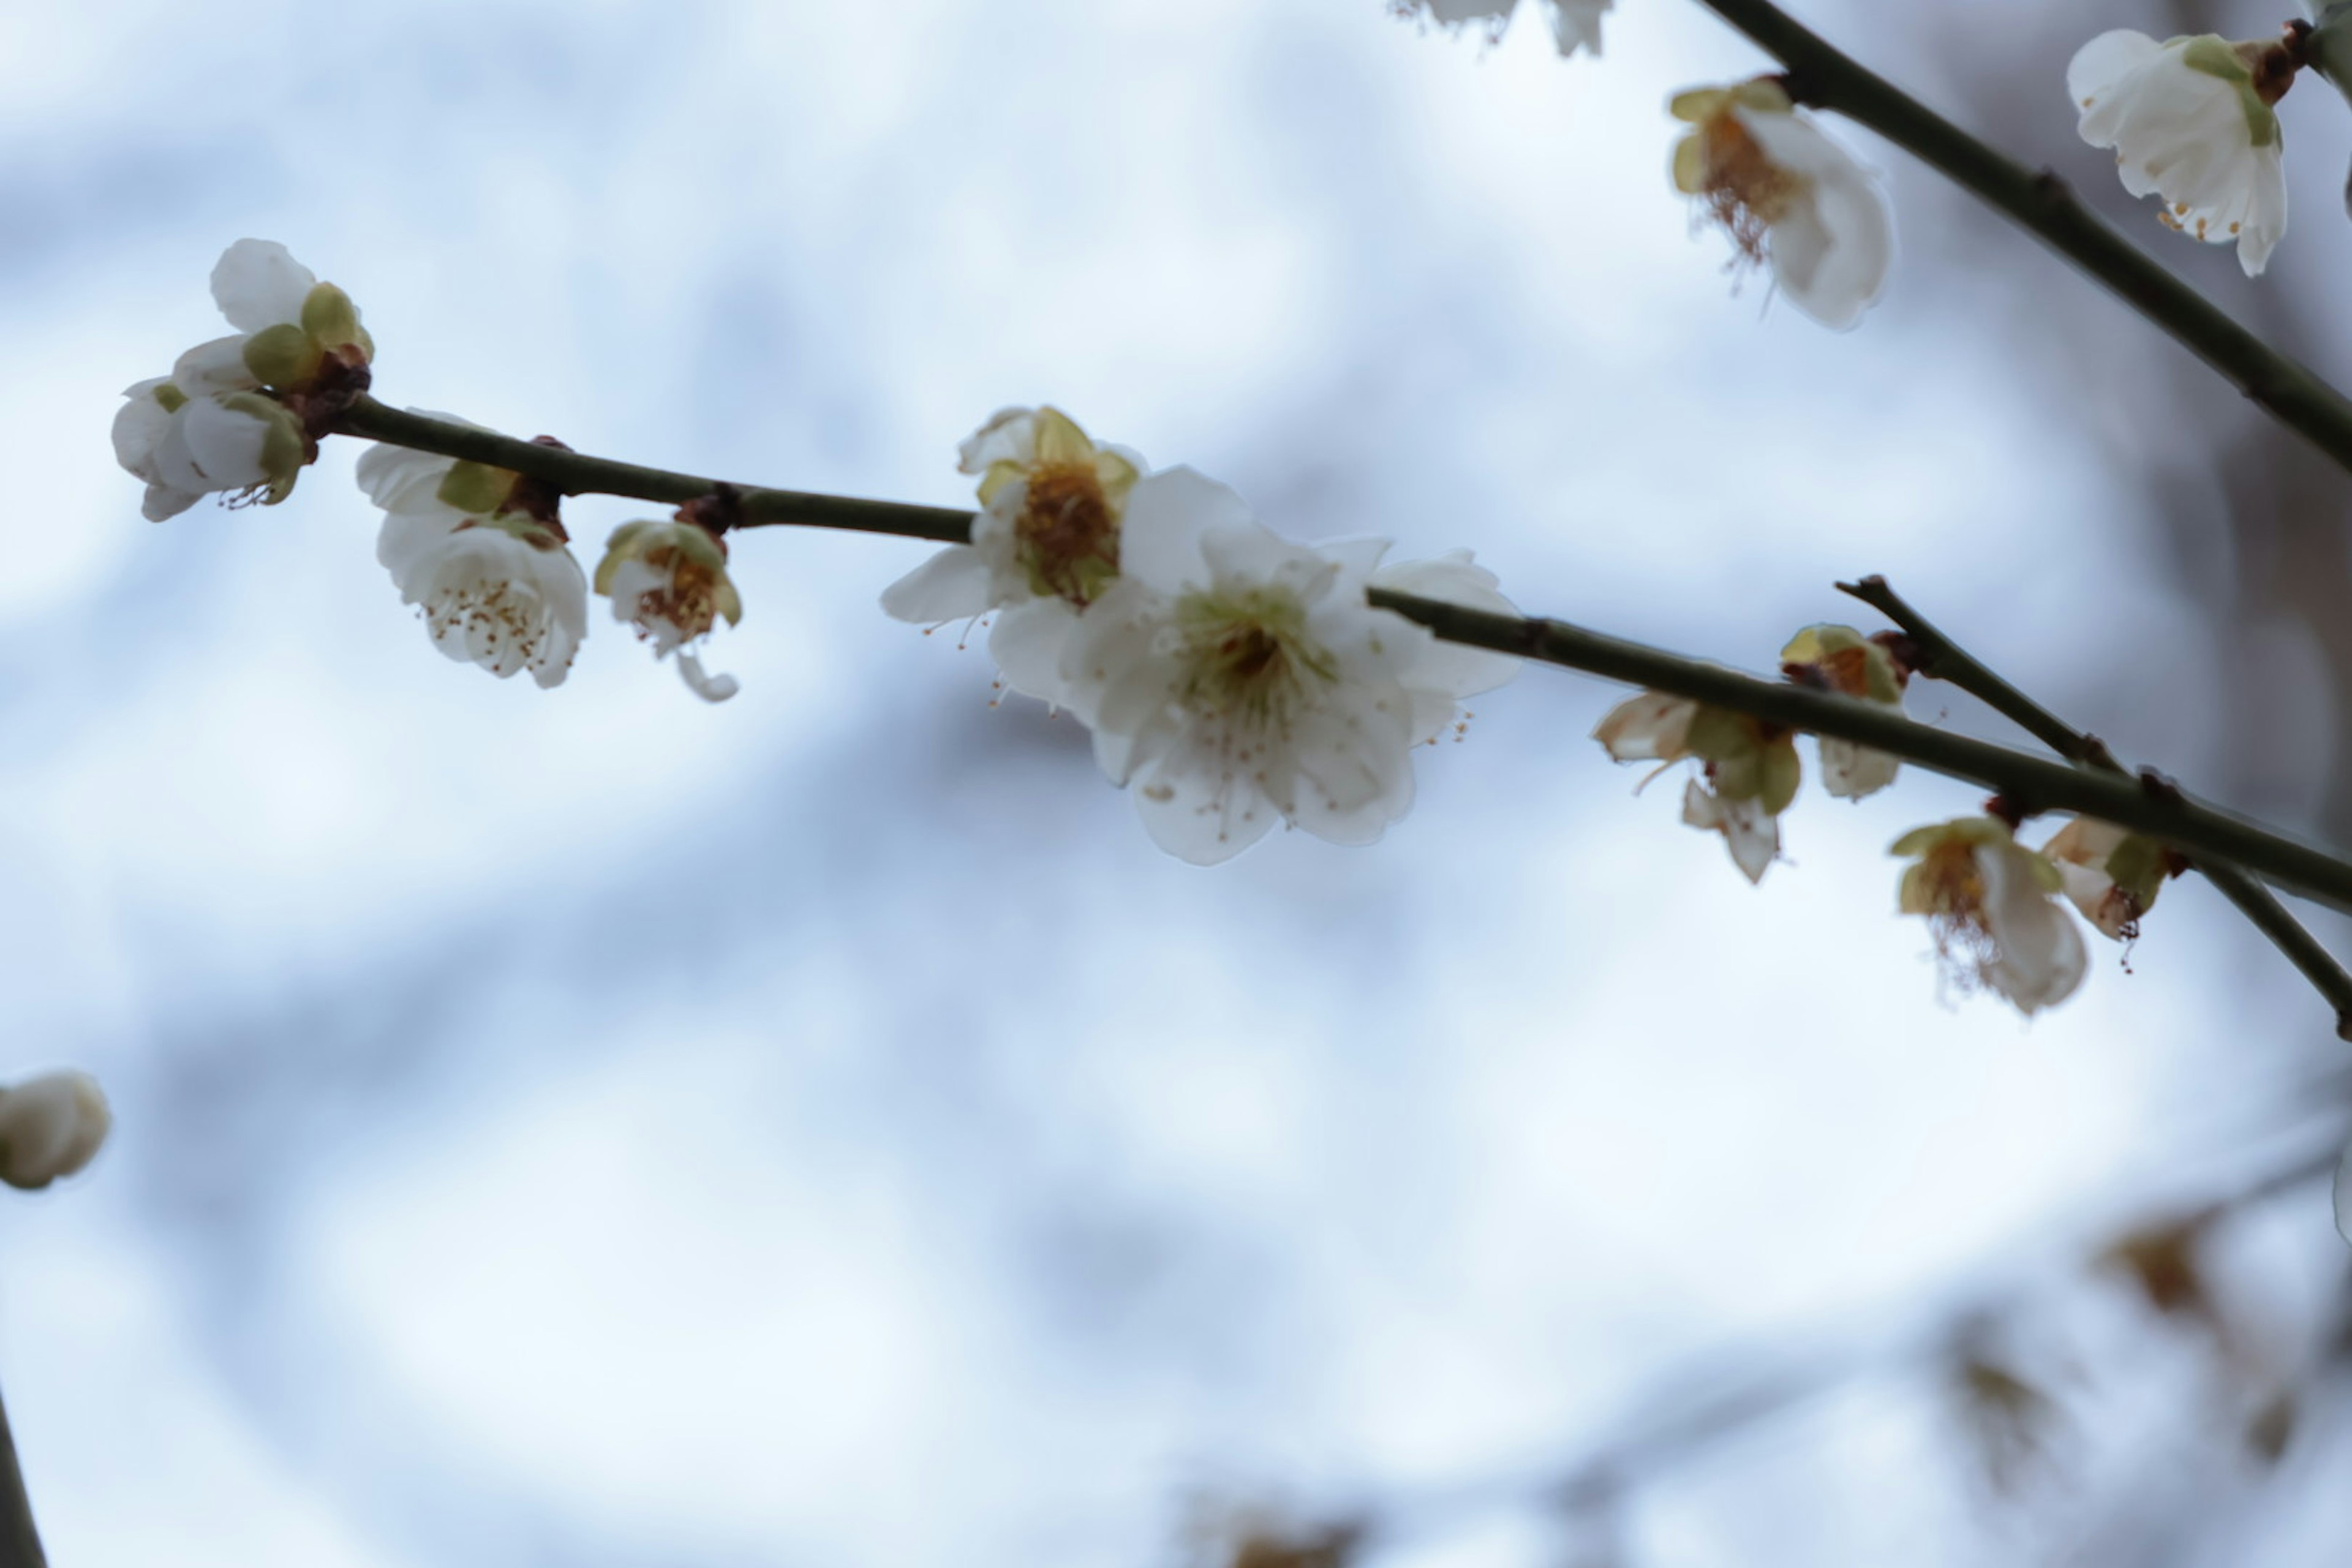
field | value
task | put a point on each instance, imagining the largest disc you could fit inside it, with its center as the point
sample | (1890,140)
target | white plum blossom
(1235,678)
(1044,546)
(1841,659)
(1748,772)
(668,580)
(1575,24)
(2191,120)
(50,1126)
(213,427)
(1992,905)
(1788,194)
(2110,874)
(496,586)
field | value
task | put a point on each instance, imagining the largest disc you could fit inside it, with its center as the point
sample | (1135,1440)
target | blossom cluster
(1229,677)
(480,552)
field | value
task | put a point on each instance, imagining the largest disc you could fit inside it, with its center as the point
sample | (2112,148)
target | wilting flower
(669,581)
(1748,772)
(50,1126)
(1233,678)
(1785,193)
(208,427)
(1841,659)
(2190,121)
(498,586)
(1044,546)
(2111,875)
(1575,24)
(1992,906)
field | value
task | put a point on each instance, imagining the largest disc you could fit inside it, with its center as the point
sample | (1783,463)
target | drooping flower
(481,553)
(50,1126)
(1993,907)
(1575,24)
(2111,875)
(669,581)
(1841,659)
(1235,678)
(1787,194)
(1044,546)
(240,415)
(2191,120)
(1748,770)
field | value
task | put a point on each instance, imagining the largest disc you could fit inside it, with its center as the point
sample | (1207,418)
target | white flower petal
(952,586)
(1028,642)
(1167,513)
(215,366)
(223,446)
(1850,771)
(258,284)
(2041,957)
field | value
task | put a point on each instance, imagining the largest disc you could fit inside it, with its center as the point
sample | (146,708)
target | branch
(20,1544)
(1822,76)
(1938,658)
(2149,804)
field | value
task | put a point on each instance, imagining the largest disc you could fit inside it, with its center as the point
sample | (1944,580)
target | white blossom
(1841,659)
(1992,905)
(496,587)
(2111,875)
(1575,24)
(1748,770)
(1788,194)
(1044,546)
(2190,121)
(669,580)
(50,1126)
(1235,678)
(210,427)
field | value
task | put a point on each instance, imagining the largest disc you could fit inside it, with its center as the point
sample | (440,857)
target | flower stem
(20,1544)
(1822,76)
(1938,658)
(2146,803)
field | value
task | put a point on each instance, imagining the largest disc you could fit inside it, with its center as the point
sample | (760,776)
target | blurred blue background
(594,1128)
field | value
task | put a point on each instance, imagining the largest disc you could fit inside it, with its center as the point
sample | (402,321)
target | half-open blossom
(1787,194)
(1236,678)
(2111,875)
(669,581)
(1841,659)
(1575,24)
(2191,120)
(496,586)
(210,426)
(1044,546)
(50,1126)
(1993,907)
(1748,770)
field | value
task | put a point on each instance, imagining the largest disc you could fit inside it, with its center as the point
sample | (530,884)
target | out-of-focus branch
(1825,78)
(1938,658)
(20,1544)
(2149,804)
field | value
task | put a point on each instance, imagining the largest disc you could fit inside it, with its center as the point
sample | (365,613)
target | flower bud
(50,1126)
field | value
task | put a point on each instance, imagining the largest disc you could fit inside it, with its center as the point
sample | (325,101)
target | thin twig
(1821,76)
(2149,804)
(1938,658)
(20,1544)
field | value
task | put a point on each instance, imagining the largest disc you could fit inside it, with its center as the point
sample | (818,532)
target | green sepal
(330,317)
(171,397)
(284,449)
(478,489)
(2211,55)
(628,542)
(282,355)
(2137,867)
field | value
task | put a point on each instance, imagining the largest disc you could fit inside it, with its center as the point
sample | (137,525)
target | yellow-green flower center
(1248,657)
(1068,532)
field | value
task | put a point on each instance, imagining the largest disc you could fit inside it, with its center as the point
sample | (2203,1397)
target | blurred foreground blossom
(2110,875)
(208,428)
(1787,194)
(1841,659)
(1235,678)
(50,1126)
(669,581)
(1044,547)
(1575,24)
(1992,905)
(1750,773)
(498,586)
(2191,120)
